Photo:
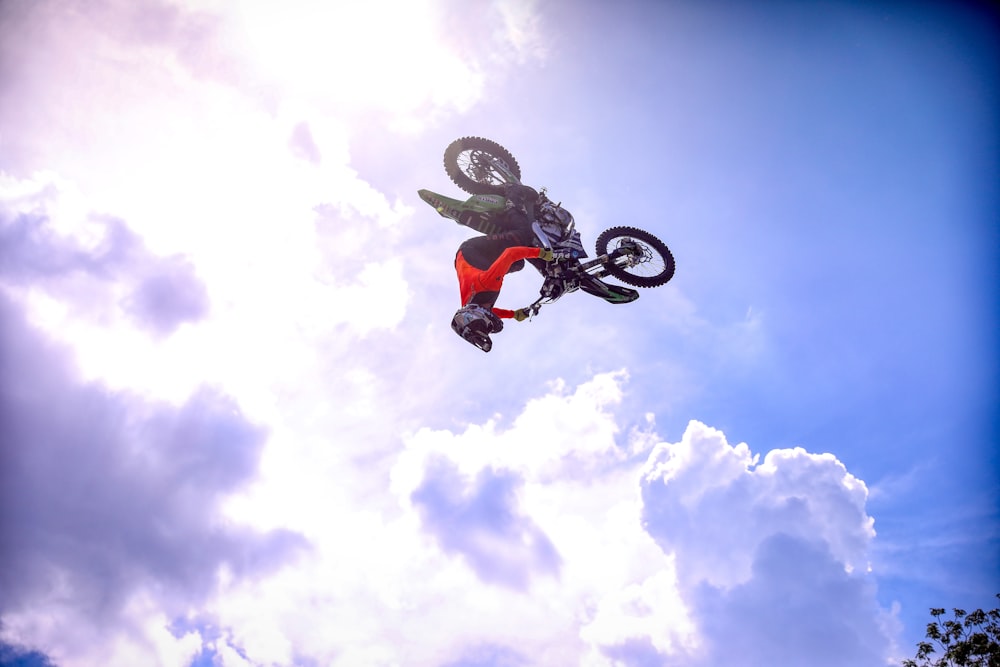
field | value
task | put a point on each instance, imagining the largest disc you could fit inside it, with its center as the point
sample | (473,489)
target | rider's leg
(492,278)
(471,287)
(483,286)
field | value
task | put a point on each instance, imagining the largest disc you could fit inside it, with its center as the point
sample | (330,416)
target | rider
(482,262)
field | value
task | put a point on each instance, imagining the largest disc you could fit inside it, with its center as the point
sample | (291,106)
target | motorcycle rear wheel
(656,263)
(471,164)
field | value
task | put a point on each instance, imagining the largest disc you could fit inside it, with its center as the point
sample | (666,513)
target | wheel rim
(642,260)
(482,167)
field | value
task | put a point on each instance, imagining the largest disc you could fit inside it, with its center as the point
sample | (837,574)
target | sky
(237,429)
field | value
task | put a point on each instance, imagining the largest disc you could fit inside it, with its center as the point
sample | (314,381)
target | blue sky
(239,431)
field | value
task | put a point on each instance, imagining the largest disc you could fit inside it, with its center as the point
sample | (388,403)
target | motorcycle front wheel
(636,257)
(478,165)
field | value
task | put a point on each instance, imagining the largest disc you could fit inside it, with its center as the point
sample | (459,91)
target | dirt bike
(485,169)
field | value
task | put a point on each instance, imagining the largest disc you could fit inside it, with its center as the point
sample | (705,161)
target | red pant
(473,281)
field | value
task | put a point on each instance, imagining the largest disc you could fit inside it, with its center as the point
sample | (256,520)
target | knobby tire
(664,265)
(465,148)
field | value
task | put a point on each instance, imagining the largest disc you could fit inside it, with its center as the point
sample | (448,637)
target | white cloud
(495,551)
(220,134)
(523,29)
(715,487)
(113,507)
(641,614)
(783,539)
(165,325)
(773,558)
(554,433)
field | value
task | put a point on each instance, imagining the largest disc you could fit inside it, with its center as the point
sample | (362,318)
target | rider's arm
(503,312)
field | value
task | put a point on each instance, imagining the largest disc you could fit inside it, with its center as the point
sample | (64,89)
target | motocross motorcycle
(486,170)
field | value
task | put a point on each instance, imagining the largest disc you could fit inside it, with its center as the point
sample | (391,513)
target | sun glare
(377,54)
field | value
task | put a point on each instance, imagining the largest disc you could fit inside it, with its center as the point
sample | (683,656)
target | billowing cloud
(771,556)
(159,293)
(303,145)
(105,497)
(481,522)
(799,606)
(755,562)
(168,296)
(703,491)
(554,537)
(408,64)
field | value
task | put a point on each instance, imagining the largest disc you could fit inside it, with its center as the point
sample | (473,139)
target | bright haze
(237,430)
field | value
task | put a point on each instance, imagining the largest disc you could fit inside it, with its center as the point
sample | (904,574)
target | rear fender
(475,212)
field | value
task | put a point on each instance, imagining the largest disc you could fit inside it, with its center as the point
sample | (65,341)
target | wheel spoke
(643,260)
(478,165)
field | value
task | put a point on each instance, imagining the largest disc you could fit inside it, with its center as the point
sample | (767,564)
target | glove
(521,314)
(546,255)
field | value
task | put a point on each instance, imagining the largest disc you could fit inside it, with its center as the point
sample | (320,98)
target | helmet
(554,214)
(475,323)
(477,318)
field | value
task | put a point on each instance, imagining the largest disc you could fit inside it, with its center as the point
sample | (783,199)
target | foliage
(970,640)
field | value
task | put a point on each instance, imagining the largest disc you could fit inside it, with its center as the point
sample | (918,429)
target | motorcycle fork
(590,281)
